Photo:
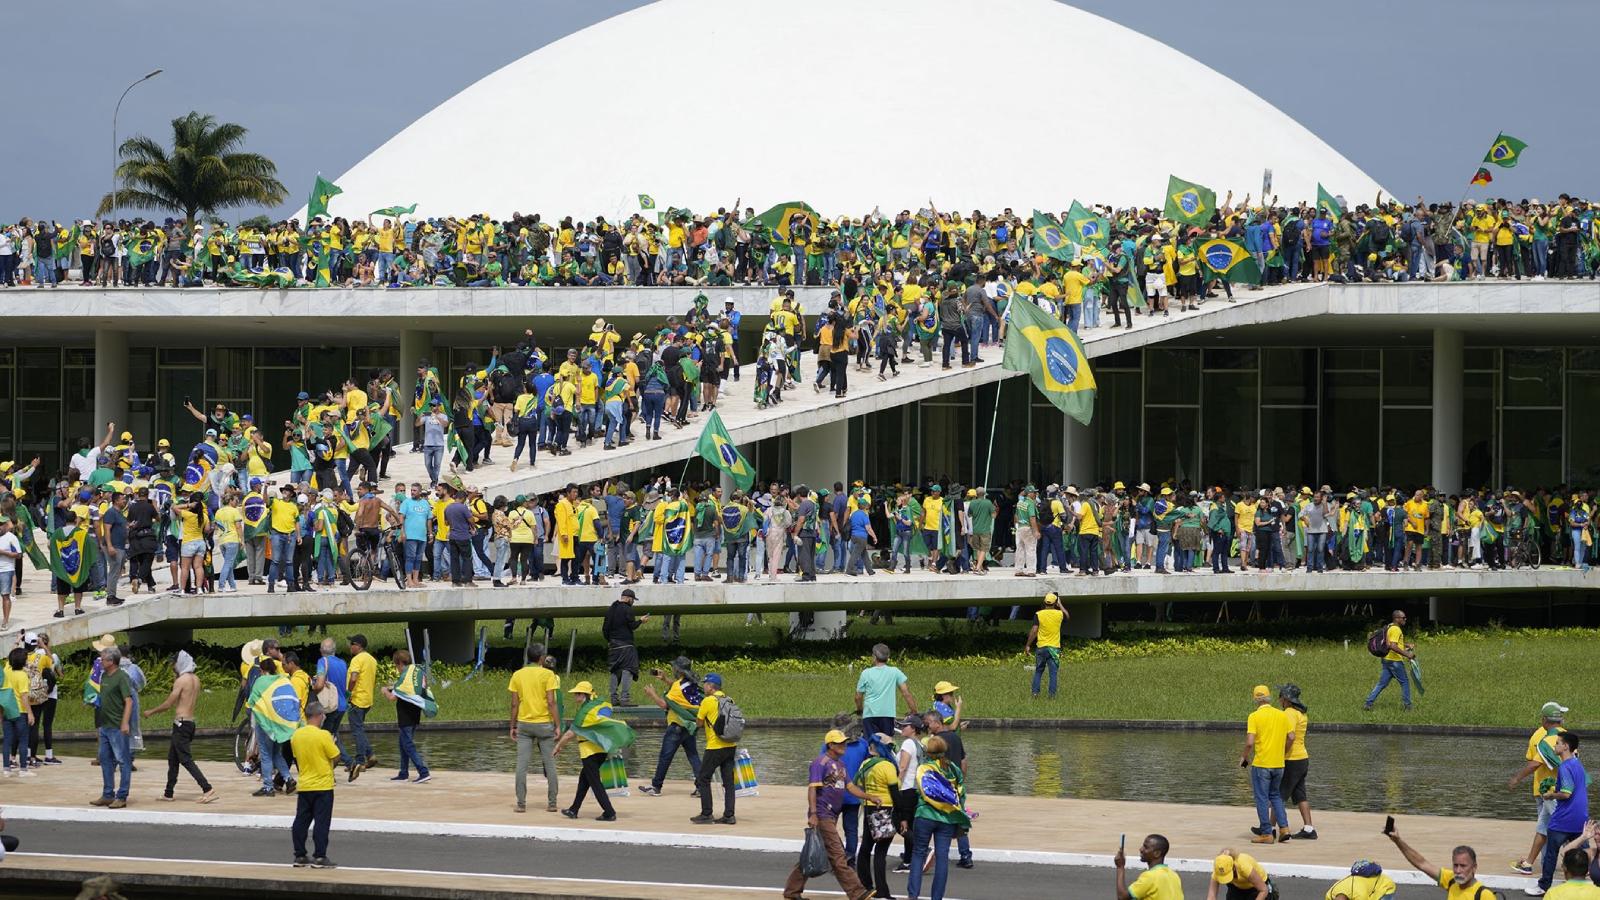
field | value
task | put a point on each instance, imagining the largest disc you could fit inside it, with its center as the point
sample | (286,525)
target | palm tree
(203,172)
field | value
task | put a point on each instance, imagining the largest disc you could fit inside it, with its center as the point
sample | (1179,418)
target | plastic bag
(814,856)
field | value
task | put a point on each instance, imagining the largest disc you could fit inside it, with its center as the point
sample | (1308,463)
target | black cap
(628,592)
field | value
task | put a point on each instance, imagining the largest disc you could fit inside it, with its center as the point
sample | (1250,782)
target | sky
(1407,91)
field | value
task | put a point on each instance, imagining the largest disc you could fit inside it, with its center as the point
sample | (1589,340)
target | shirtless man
(185,690)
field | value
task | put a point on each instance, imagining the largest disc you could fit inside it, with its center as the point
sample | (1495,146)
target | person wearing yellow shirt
(1074,282)
(535,724)
(719,756)
(1459,881)
(1265,745)
(567,527)
(1297,761)
(1482,221)
(1242,875)
(1394,662)
(592,754)
(932,512)
(314,754)
(1541,750)
(1416,527)
(1044,642)
(1156,882)
(360,685)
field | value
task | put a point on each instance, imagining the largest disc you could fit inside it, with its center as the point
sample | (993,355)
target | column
(820,455)
(1078,451)
(454,641)
(415,346)
(111,384)
(1084,619)
(1448,392)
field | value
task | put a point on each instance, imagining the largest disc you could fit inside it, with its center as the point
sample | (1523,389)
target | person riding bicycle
(369,519)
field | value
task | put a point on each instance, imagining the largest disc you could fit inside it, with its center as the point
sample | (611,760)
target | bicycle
(1522,550)
(364,566)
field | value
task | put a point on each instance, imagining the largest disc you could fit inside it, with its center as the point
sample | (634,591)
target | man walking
(535,724)
(1540,755)
(825,792)
(185,688)
(361,683)
(1266,742)
(333,675)
(682,703)
(113,720)
(622,657)
(875,693)
(720,752)
(1044,642)
(314,753)
(1394,662)
(1571,796)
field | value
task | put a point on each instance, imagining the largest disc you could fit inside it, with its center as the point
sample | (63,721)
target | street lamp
(114,113)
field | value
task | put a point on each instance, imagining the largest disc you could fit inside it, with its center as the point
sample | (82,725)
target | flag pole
(988,458)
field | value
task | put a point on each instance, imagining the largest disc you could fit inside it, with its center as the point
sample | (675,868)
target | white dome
(822,102)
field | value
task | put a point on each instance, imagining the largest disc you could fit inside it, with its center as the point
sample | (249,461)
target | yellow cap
(127,435)
(1222,869)
(582,687)
(834,737)
(1261,692)
(1050,599)
(945,687)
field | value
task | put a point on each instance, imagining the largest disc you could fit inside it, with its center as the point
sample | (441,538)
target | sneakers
(606,817)
(1521,867)
(570,813)
(649,791)
(702,819)
(727,820)
(1305,835)
(1534,891)
(300,862)
(264,792)
(401,778)
(322,862)
(424,779)
(902,868)
(965,863)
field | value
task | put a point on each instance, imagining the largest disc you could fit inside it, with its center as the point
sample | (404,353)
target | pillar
(1448,391)
(111,385)
(1084,619)
(1447,610)
(1078,452)
(415,346)
(820,455)
(453,640)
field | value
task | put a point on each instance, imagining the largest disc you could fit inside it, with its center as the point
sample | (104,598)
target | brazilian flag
(605,732)
(1505,151)
(677,536)
(647,202)
(412,687)
(254,513)
(24,533)
(943,797)
(737,522)
(1230,261)
(66,242)
(142,251)
(717,447)
(277,708)
(72,556)
(322,191)
(1051,239)
(1327,201)
(1189,203)
(775,221)
(1088,229)
(1050,353)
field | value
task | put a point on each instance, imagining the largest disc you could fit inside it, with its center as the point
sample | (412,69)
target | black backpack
(1379,230)
(1378,642)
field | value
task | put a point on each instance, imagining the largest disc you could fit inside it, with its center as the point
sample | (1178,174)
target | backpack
(38,687)
(729,723)
(1378,642)
(1379,230)
(1291,232)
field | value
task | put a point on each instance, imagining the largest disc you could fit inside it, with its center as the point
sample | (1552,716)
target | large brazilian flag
(677,536)
(1050,353)
(1230,261)
(1189,203)
(72,556)
(1088,229)
(1051,239)
(609,734)
(277,709)
(717,447)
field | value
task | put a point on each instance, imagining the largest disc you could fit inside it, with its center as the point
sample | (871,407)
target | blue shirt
(614,507)
(1572,812)
(417,513)
(459,520)
(858,524)
(1321,229)
(337,672)
(541,383)
(877,685)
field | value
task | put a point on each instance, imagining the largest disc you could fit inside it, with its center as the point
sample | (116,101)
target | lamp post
(114,113)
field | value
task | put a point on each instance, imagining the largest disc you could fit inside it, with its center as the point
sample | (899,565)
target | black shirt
(619,623)
(955,752)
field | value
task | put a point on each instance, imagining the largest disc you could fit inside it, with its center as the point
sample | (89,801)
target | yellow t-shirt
(1298,723)
(521,525)
(301,681)
(354,399)
(284,513)
(1156,883)
(1416,515)
(1540,736)
(1049,620)
(1243,865)
(1453,891)
(531,684)
(1244,517)
(1074,282)
(708,714)
(191,526)
(1271,727)
(227,519)
(589,388)
(1396,638)
(675,695)
(932,510)
(314,753)
(1576,889)
(17,681)
(363,677)
(877,782)
(441,528)
(1086,519)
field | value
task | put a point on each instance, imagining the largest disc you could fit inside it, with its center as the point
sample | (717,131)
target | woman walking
(591,714)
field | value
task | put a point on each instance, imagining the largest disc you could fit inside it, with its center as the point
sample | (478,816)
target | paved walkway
(1009,829)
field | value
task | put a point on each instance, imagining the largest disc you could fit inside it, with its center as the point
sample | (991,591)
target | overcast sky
(1407,91)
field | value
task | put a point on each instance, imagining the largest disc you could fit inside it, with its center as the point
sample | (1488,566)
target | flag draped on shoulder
(72,556)
(1051,355)
(412,687)
(1189,203)
(277,708)
(1505,151)
(1230,261)
(942,796)
(1050,239)
(717,447)
(677,535)
(607,733)
(322,191)
(254,513)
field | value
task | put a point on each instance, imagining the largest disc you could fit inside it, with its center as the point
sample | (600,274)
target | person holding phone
(1459,882)
(1157,882)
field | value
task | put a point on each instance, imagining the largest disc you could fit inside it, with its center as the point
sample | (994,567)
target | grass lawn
(1481,676)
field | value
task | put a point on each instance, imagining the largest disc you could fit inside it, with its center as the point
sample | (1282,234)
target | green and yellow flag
(775,221)
(72,556)
(1505,151)
(647,202)
(321,192)
(395,212)
(1189,203)
(605,732)
(717,448)
(1088,229)
(1328,202)
(1051,355)
(277,708)
(1230,261)
(1051,239)
(10,704)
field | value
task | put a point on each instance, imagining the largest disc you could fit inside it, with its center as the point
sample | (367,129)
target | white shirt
(83,462)
(908,775)
(10,544)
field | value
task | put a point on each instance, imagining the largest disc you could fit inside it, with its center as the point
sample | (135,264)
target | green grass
(1482,676)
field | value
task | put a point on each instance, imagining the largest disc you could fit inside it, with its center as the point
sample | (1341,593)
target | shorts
(1294,780)
(1547,808)
(980,543)
(1413,537)
(1144,537)
(6,581)
(171,544)
(192,548)
(1319,253)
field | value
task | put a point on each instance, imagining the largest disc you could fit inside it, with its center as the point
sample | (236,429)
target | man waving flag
(1050,353)
(717,448)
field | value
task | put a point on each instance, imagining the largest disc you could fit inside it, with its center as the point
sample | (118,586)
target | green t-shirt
(1026,509)
(980,513)
(115,689)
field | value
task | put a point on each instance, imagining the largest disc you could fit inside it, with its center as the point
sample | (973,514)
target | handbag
(880,823)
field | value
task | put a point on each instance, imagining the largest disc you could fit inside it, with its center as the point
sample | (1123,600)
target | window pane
(1587,358)
(886,455)
(142,422)
(1229,453)
(1531,440)
(40,372)
(1583,430)
(141,373)
(1477,430)
(1125,359)
(1230,358)
(79,356)
(947,442)
(7,412)
(42,435)
(278,356)
(1174,375)
(1117,421)
(375,358)
(1478,357)
(1169,445)
(1350,358)
(228,373)
(326,368)
(77,404)
(1288,446)
(1350,429)
(1289,377)
(1407,435)
(1532,378)
(1407,376)
(1010,457)
(274,399)
(183,356)
(1047,459)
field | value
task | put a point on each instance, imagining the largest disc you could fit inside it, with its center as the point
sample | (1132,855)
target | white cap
(302,499)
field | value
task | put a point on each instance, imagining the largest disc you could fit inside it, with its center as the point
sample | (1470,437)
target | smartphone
(1122,843)
(1388,825)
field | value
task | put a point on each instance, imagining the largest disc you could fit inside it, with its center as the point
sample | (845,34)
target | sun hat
(249,652)
(945,687)
(106,642)
(582,687)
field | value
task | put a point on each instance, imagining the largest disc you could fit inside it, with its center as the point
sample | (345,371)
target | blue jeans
(409,755)
(669,569)
(902,545)
(1163,544)
(1541,257)
(358,731)
(270,753)
(650,409)
(674,737)
(1580,553)
(385,260)
(738,560)
(1220,545)
(230,555)
(1043,659)
(924,832)
(586,423)
(44,271)
(15,732)
(1267,787)
(331,726)
(282,559)
(1393,670)
(614,433)
(1552,849)
(1316,553)
(1291,261)
(841,548)
(705,550)
(414,551)
(326,569)
(1050,546)
(1074,316)
(957,335)
(115,757)
(432,458)
(527,434)
(342,466)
